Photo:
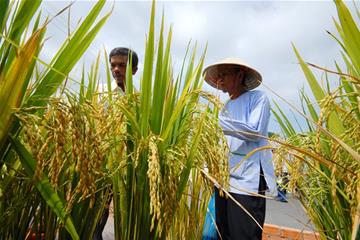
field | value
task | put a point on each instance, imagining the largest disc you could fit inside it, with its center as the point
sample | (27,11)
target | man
(118,58)
(244,121)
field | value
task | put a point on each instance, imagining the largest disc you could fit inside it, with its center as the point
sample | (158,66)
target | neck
(236,94)
(122,86)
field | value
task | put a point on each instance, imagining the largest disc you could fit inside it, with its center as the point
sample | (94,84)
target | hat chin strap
(236,94)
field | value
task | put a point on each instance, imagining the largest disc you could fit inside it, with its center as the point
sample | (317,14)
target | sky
(258,32)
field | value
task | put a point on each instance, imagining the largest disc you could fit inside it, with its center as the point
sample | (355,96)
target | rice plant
(26,199)
(169,137)
(63,158)
(324,160)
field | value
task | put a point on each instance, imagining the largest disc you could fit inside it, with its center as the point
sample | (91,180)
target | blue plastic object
(209,230)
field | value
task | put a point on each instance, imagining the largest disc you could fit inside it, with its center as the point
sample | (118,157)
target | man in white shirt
(244,120)
(118,59)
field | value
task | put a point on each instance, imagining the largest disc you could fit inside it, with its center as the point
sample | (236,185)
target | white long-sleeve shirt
(249,113)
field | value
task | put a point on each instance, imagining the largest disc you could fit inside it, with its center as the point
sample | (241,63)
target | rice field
(157,152)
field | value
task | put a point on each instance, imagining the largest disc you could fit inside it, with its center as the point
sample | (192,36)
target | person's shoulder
(258,96)
(257,93)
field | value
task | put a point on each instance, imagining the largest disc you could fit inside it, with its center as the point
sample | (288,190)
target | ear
(134,70)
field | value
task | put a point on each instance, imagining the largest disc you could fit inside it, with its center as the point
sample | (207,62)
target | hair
(125,52)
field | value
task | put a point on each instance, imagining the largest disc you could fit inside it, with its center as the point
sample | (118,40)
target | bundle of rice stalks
(70,145)
(26,81)
(170,137)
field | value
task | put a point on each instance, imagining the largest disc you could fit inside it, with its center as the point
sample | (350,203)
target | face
(118,68)
(229,79)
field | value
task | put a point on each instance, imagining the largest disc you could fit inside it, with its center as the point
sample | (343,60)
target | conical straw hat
(252,76)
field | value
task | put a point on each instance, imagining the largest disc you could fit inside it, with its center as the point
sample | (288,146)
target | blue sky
(259,32)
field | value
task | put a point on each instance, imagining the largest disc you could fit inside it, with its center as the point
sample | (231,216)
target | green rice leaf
(158,102)
(314,85)
(335,124)
(190,158)
(37,22)
(341,33)
(351,35)
(129,86)
(351,94)
(146,83)
(44,187)
(12,85)
(23,17)
(75,47)
(197,82)
(3,9)
(288,126)
(279,120)
(82,85)
(108,76)
(310,107)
